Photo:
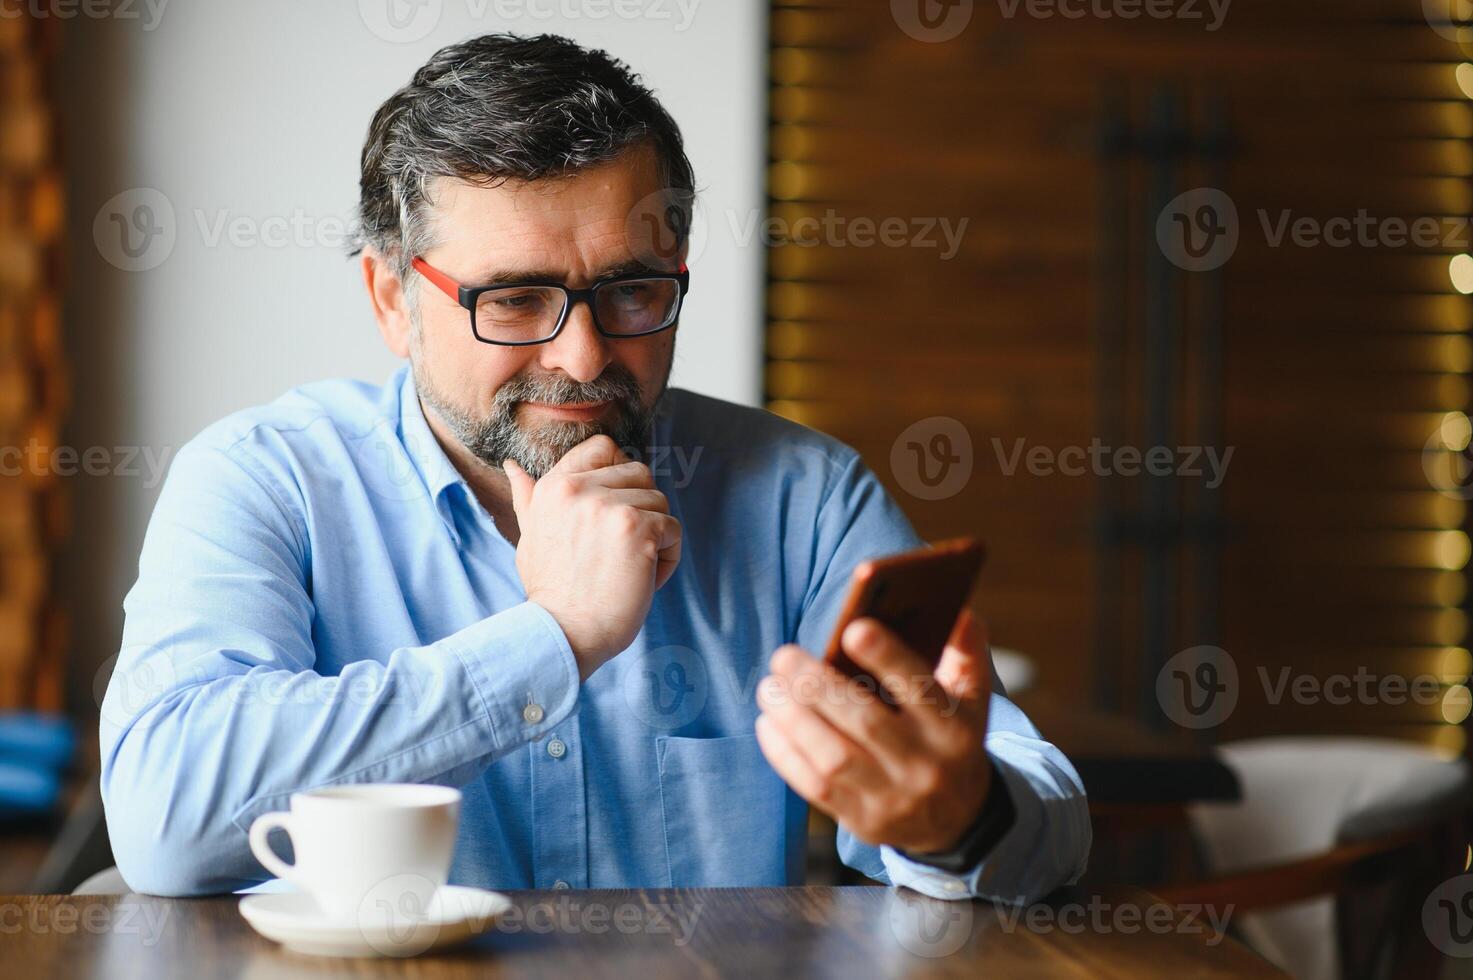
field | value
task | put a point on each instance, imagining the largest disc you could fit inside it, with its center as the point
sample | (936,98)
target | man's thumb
(521,486)
(966,666)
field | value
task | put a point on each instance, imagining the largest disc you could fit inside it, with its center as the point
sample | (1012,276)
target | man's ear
(390,305)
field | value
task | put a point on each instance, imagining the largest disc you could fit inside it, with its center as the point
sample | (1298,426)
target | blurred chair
(79,849)
(108,881)
(1330,855)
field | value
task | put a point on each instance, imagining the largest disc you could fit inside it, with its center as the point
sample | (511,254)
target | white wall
(254,113)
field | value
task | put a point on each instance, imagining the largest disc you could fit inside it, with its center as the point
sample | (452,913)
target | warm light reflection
(1450,741)
(1460,271)
(786,181)
(1457,701)
(1456,431)
(1452,625)
(1451,549)
(1452,391)
(1464,75)
(1451,588)
(1456,353)
(1457,664)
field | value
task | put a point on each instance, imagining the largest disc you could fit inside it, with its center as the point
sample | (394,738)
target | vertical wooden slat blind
(1333,373)
(32,372)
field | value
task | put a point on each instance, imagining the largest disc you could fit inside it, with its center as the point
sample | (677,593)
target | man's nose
(579,350)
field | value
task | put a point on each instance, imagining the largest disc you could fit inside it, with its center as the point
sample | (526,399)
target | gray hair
(505,107)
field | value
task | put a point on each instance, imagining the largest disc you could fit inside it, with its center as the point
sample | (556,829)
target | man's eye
(632,290)
(517,302)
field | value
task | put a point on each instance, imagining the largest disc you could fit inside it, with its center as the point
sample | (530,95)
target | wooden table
(850,932)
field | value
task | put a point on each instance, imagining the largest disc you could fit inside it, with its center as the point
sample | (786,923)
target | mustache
(615,384)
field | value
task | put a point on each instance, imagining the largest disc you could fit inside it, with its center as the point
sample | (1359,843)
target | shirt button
(561,885)
(557,748)
(532,714)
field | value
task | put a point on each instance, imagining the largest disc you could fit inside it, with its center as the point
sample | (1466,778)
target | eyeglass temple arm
(445,284)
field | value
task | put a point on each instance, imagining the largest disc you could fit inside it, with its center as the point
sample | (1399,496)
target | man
(526,569)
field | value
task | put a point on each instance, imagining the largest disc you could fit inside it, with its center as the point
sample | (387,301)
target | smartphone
(918,594)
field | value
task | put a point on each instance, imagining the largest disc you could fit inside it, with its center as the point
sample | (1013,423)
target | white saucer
(293,919)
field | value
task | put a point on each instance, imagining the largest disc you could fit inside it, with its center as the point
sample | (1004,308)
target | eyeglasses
(525,313)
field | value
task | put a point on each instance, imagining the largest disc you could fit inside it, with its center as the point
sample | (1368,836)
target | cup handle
(261,846)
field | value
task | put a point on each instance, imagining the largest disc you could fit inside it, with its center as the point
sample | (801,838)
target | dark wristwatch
(995,820)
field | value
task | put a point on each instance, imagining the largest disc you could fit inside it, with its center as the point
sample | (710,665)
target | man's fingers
(795,770)
(622,476)
(852,708)
(900,670)
(593,453)
(668,561)
(965,670)
(651,500)
(521,487)
(833,754)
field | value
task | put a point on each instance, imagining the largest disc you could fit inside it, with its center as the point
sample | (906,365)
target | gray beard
(537,448)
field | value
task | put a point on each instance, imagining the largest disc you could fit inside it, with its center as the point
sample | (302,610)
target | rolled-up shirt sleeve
(1049,841)
(215,714)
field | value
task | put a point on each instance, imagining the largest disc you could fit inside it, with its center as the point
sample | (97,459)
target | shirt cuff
(905,871)
(995,819)
(523,671)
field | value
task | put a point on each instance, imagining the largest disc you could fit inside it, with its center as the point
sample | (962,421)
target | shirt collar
(429,459)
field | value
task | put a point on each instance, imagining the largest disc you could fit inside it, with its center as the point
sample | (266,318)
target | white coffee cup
(367,849)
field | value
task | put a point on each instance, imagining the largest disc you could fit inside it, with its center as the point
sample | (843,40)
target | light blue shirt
(321,599)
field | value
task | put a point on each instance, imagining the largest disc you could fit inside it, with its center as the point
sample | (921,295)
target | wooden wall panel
(1333,373)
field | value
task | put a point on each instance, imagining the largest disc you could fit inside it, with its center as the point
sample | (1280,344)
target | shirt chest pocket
(723,809)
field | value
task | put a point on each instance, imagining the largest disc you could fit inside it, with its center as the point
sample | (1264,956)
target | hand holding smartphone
(917,594)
